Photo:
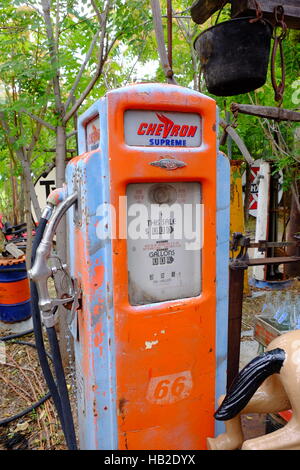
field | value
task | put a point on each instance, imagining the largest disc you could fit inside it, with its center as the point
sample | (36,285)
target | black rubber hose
(24,412)
(63,391)
(16,335)
(38,333)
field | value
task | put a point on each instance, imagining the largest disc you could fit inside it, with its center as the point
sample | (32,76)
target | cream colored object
(262,216)
(278,392)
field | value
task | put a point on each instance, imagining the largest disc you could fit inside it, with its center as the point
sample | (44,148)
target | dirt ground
(22,383)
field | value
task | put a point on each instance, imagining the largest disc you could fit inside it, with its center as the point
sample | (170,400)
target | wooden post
(235,309)
(202,10)
(293,270)
(248,8)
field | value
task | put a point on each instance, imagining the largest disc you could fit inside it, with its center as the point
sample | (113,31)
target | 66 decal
(168,389)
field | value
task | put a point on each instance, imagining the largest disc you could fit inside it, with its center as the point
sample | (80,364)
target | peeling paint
(150,344)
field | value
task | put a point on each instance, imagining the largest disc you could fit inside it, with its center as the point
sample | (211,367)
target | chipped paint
(56,196)
(95,320)
(150,344)
(98,275)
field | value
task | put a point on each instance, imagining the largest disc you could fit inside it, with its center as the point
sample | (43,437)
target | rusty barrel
(14,290)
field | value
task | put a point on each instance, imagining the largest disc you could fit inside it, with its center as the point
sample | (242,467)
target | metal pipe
(235,310)
(169,16)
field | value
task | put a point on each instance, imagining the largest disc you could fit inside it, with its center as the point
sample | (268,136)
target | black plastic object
(234,55)
(248,381)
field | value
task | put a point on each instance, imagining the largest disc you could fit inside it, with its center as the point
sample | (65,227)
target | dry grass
(22,383)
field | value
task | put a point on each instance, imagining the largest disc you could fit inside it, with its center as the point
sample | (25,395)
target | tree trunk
(22,199)
(28,221)
(61,235)
(29,181)
(159,33)
(14,194)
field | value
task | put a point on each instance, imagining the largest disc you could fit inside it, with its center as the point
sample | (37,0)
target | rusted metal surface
(263,245)
(264,332)
(273,260)
(242,243)
(248,8)
(236,286)
(278,46)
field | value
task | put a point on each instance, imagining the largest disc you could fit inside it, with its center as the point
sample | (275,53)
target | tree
(53,55)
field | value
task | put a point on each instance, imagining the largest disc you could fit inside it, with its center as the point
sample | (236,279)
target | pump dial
(162,193)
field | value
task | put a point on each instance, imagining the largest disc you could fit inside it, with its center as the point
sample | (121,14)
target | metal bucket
(14,291)
(234,55)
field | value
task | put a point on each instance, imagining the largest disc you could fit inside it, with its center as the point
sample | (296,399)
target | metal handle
(41,271)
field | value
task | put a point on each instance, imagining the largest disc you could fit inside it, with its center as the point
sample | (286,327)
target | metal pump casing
(149,365)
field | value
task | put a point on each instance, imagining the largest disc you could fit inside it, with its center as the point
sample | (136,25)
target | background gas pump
(148,239)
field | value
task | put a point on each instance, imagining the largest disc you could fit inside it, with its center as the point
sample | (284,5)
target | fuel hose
(58,388)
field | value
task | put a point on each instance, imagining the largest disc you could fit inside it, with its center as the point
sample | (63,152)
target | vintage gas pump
(148,243)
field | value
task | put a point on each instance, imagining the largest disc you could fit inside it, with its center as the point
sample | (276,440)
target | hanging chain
(259,13)
(278,45)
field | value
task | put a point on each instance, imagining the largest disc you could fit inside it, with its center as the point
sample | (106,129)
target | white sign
(162,129)
(43,187)
(258,184)
(93,134)
(164,224)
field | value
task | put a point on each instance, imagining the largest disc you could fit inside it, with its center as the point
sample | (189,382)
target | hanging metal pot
(234,55)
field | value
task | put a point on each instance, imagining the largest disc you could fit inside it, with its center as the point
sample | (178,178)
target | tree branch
(101,60)
(38,129)
(97,11)
(155,5)
(21,154)
(53,54)
(71,134)
(38,119)
(189,39)
(237,139)
(82,68)
(295,195)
